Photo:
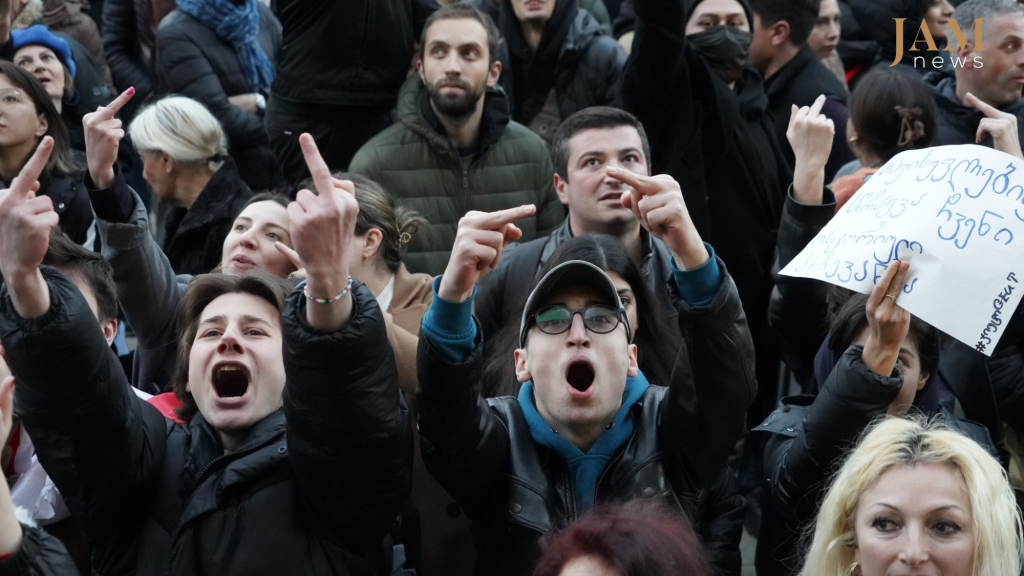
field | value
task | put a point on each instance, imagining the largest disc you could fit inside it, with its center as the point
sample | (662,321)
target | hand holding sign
(103,135)
(1000,125)
(657,202)
(479,242)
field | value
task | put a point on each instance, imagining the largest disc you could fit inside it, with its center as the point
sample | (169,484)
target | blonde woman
(916,497)
(185,161)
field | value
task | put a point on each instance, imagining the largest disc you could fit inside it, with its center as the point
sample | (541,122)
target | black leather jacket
(516,490)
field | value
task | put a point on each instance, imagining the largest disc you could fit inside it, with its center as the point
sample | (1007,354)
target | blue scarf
(586,467)
(239,26)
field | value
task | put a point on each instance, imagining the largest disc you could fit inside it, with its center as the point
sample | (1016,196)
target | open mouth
(241,261)
(230,380)
(580,375)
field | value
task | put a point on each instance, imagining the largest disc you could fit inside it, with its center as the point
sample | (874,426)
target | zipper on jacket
(465,178)
(206,469)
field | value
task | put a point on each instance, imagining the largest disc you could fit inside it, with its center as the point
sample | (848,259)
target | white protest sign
(956,213)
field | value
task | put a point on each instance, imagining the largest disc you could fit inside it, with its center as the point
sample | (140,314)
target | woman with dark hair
(885,359)
(634,539)
(876,19)
(27,115)
(890,112)
(655,356)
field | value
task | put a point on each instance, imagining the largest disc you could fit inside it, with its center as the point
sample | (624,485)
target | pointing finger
(819,103)
(292,255)
(495,220)
(119,102)
(642,184)
(317,167)
(26,180)
(987,110)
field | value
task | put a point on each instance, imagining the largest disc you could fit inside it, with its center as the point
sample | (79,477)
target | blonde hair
(912,440)
(181,128)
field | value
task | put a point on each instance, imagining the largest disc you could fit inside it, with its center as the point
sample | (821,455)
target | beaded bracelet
(311,298)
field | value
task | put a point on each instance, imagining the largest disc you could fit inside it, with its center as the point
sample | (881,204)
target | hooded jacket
(584,66)
(312,488)
(809,436)
(193,61)
(422,169)
(195,237)
(958,124)
(517,489)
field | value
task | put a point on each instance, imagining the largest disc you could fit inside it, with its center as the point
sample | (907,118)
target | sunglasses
(598,318)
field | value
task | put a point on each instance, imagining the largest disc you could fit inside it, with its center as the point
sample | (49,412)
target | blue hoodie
(586,467)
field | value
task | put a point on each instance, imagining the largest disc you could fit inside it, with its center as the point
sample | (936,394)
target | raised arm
(349,438)
(655,78)
(699,426)
(464,444)
(147,287)
(99,443)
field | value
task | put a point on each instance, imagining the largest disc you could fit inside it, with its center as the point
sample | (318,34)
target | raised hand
(103,134)
(479,242)
(25,225)
(322,227)
(888,323)
(657,202)
(810,134)
(1000,125)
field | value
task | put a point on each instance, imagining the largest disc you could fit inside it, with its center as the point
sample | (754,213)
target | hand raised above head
(103,135)
(479,242)
(888,322)
(1000,125)
(810,133)
(657,202)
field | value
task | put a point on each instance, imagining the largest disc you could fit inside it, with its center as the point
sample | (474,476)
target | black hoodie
(958,124)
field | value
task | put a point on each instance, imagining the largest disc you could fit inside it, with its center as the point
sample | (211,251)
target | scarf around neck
(239,26)
(533,71)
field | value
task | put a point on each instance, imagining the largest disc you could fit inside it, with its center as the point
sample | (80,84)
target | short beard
(457,108)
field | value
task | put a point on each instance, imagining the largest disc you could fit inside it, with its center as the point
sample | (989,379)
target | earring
(854,569)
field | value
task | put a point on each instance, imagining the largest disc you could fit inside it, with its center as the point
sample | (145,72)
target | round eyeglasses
(9,98)
(597,318)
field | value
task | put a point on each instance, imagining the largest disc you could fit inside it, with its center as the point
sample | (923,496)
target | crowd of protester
(292,286)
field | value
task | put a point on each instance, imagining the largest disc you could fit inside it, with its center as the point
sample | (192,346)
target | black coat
(71,202)
(958,124)
(313,488)
(194,62)
(129,42)
(588,68)
(195,237)
(516,490)
(91,92)
(876,19)
(39,554)
(809,436)
(800,82)
(347,52)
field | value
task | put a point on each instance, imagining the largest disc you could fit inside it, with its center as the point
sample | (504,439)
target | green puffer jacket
(422,169)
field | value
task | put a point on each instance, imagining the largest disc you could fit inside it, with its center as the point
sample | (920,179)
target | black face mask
(724,48)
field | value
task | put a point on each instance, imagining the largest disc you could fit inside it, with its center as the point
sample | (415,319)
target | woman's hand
(103,134)
(888,323)
(810,134)
(1000,125)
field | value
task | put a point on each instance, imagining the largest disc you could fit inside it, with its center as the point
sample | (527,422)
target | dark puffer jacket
(194,62)
(195,237)
(588,69)
(958,124)
(347,52)
(516,490)
(423,170)
(809,436)
(312,488)
(129,40)
(38,555)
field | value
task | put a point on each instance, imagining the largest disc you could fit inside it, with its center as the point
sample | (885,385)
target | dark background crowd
(336,250)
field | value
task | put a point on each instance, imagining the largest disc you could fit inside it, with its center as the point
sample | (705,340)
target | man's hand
(103,134)
(479,242)
(322,227)
(810,134)
(25,225)
(1000,125)
(888,323)
(657,202)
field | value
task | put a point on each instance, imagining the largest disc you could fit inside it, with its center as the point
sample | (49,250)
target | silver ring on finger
(891,297)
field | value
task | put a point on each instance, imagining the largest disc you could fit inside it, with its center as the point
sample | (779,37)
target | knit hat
(41,35)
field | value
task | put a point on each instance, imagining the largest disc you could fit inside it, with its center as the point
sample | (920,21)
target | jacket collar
(778,81)
(205,446)
(216,200)
(410,289)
